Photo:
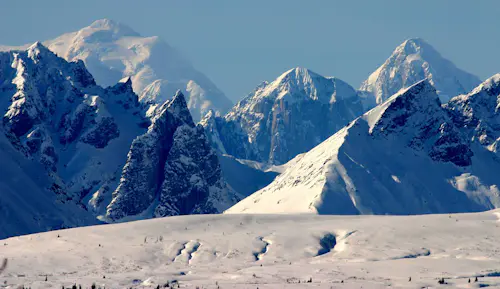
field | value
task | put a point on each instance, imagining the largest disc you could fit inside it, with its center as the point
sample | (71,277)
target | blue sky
(238,44)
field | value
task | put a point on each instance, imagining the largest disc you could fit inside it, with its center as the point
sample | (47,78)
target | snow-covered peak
(286,117)
(483,96)
(296,85)
(416,46)
(297,73)
(115,27)
(299,84)
(179,108)
(478,113)
(491,84)
(124,86)
(417,98)
(112,50)
(415,60)
(126,80)
(210,114)
(37,50)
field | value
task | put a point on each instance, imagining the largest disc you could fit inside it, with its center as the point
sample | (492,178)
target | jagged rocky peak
(37,50)
(478,113)
(415,115)
(72,130)
(193,181)
(419,102)
(124,85)
(42,81)
(98,148)
(299,84)
(43,58)
(172,167)
(285,117)
(179,108)
(490,87)
(415,60)
(123,94)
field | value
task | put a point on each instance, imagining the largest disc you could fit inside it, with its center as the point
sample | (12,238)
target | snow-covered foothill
(264,251)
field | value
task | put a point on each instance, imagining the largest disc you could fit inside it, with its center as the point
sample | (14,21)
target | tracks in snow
(263,251)
(185,254)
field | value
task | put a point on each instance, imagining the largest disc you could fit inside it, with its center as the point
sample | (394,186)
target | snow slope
(405,156)
(264,251)
(245,177)
(412,61)
(286,117)
(26,204)
(112,51)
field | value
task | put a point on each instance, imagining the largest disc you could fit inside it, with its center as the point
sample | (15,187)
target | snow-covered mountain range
(89,154)
(408,155)
(286,117)
(412,61)
(112,51)
(73,150)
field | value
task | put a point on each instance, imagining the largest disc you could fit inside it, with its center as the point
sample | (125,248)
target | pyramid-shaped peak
(178,107)
(37,49)
(417,46)
(418,91)
(297,77)
(299,84)
(412,61)
(126,80)
(418,98)
(179,97)
(416,42)
(298,72)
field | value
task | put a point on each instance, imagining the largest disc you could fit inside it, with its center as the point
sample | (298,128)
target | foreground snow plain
(264,251)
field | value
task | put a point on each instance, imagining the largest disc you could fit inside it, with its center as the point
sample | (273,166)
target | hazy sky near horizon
(238,44)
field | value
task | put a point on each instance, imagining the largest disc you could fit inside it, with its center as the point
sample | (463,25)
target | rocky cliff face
(56,113)
(171,169)
(286,117)
(478,114)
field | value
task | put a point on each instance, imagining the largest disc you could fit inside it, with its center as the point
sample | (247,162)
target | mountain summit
(412,61)
(112,51)
(283,118)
